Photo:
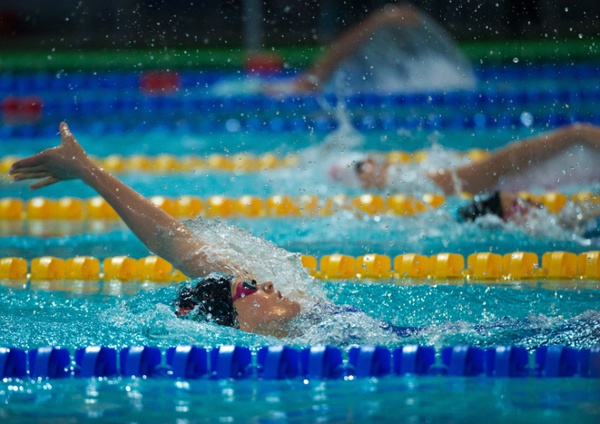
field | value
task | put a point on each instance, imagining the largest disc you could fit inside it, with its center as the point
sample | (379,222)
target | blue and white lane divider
(284,362)
(319,124)
(118,80)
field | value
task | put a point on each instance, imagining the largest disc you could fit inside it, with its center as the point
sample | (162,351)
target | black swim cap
(482,204)
(210,297)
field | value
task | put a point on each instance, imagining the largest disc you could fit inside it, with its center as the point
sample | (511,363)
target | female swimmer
(227,293)
(511,161)
(223,292)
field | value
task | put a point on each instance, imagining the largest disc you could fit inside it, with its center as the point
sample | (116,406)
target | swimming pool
(528,312)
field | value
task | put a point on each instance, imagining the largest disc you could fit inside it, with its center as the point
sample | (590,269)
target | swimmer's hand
(305,83)
(397,15)
(65,162)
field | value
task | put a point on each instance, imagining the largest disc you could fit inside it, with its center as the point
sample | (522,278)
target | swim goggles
(244,289)
(360,167)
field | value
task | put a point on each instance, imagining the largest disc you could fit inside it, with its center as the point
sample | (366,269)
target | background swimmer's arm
(517,157)
(341,48)
(159,231)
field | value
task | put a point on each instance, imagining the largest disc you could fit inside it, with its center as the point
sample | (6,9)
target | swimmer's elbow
(443,180)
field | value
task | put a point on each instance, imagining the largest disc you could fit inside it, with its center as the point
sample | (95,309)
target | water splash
(407,58)
(263,259)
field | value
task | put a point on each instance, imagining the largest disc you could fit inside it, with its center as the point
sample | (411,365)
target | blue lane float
(318,124)
(507,361)
(278,363)
(13,363)
(190,80)
(187,362)
(463,361)
(95,361)
(285,362)
(414,360)
(49,362)
(369,361)
(321,362)
(139,106)
(557,361)
(139,361)
(589,361)
(104,98)
(230,362)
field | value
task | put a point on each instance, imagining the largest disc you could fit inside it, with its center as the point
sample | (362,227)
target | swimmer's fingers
(65,133)
(32,162)
(33,168)
(35,174)
(44,183)
(31,175)
(68,149)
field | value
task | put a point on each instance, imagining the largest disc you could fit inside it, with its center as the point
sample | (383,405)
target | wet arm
(322,69)
(160,232)
(517,157)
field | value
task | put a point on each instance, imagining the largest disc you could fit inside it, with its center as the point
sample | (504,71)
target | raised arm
(160,232)
(517,157)
(351,40)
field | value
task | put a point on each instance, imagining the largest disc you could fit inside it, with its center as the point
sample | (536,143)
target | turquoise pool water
(529,313)
(422,399)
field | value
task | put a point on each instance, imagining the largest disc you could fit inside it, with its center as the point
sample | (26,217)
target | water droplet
(526,119)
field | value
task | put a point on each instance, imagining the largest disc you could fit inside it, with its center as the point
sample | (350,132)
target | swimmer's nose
(267,286)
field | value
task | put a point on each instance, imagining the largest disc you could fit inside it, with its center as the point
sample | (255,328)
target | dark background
(121,24)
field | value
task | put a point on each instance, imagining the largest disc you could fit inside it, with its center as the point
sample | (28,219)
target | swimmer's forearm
(161,233)
(164,235)
(145,219)
(352,39)
(135,210)
(515,158)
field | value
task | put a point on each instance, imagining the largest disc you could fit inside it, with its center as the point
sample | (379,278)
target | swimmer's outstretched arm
(160,232)
(516,157)
(348,42)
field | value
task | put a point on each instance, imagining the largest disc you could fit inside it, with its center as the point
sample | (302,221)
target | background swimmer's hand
(304,83)
(65,162)
(393,14)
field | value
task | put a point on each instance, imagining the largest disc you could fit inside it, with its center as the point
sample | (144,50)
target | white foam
(263,259)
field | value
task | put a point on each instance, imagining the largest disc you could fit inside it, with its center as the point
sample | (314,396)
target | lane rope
(481,267)
(232,362)
(248,206)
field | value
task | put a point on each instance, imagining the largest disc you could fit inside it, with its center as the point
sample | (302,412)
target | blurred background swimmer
(558,158)
(398,48)
(549,160)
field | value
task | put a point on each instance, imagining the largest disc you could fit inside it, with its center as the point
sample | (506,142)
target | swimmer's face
(265,309)
(370,174)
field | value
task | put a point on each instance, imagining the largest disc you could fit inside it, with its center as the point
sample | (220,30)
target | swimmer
(223,292)
(226,293)
(509,162)
(387,67)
